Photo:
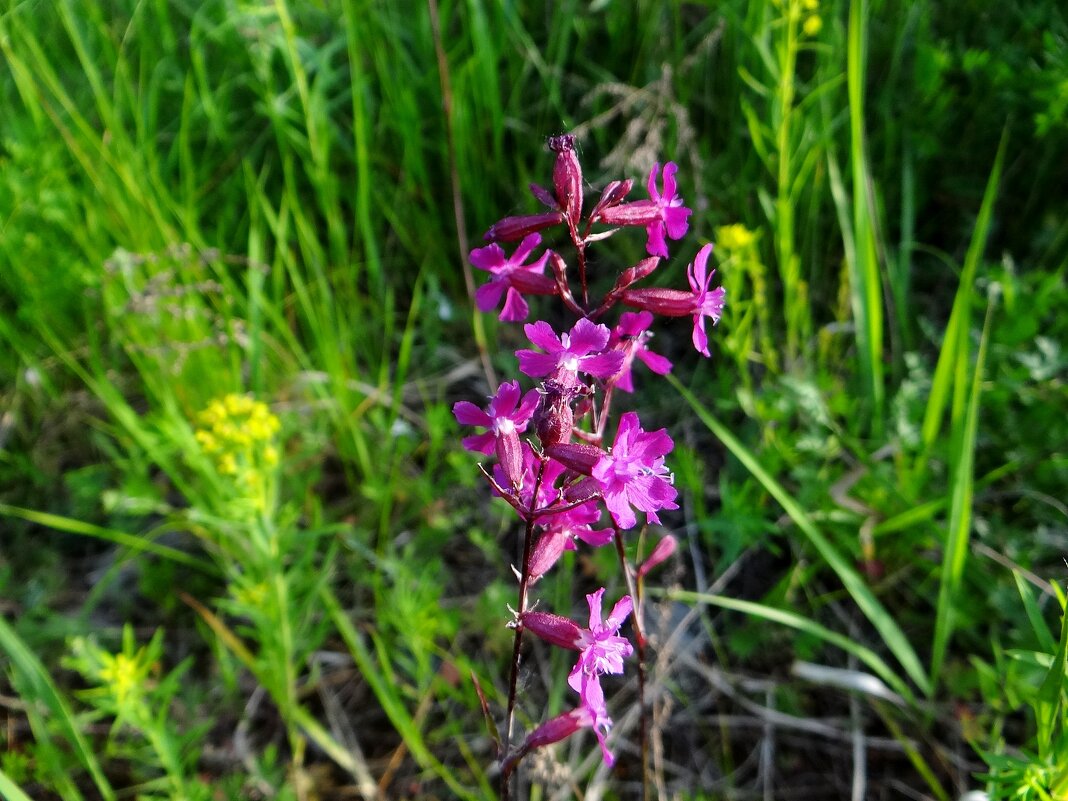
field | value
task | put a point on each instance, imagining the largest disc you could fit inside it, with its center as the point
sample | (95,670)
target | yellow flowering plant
(239,435)
(132,688)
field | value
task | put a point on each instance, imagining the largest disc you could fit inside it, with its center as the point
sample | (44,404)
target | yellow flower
(735,237)
(228,465)
(120,673)
(238,433)
(812,26)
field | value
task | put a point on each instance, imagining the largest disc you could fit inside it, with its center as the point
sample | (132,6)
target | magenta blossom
(592,713)
(630,336)
(662,214)
(603,650)
(700,302)
(706,304)
(581,350)
(673,217)
(633,473)
(512,278)
(506,417)
(506,413)
(596,713)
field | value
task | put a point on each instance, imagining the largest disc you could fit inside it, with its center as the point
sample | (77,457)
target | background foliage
(276,199)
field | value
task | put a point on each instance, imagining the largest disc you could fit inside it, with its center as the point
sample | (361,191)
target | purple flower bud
(554,629)
(548,550)
(543,195)
(632,275)
(511,229)
(611,196)
(567,177)
(509,450)
(554,420)
(551,731)
(574,456)
(662,551)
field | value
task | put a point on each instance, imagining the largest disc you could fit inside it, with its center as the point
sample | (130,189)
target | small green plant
(1036,769)
(134,690)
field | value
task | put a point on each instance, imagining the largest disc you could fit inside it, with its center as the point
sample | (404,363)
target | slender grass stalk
(958,533)
(10,790)
(387,692)
(799,623)
(892,635)
(950,374)
(865,282)
(33,682)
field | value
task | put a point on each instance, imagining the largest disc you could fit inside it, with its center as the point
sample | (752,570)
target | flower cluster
(239,435)
(552,464)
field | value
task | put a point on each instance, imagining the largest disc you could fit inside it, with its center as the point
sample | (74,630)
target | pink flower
(673,217)
(603,650)
(506,413)
(595,714)
(630,336)
(592,713)
(706,304)
(699,302)
(506,418)
(581,350)
(511,277)
(661,214)
(633,473)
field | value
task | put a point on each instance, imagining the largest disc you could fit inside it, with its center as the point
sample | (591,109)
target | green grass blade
(954,352)
(36,687)
(866,285)
(1034,614)
(802,624)
(134,543)
(960,512)
(884,623)
(10,791)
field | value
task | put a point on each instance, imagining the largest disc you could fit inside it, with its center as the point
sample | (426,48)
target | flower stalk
(552,463)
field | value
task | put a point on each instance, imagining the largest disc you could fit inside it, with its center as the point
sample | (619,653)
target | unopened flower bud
(554,419)
(512,229)
(551,731)
(509,450)
(544,195)
(575,456)
(567,177)
(667,302)
(547,552)
(662,551)
(612,195)
(632,275)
